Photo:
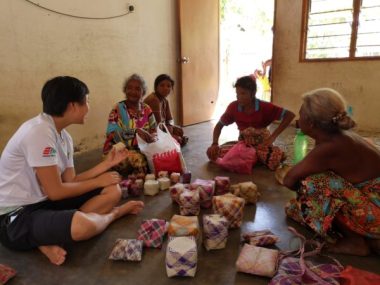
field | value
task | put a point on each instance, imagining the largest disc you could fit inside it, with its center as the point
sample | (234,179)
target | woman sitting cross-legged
(128,118)
(338,182)
(44,203)
(252,117)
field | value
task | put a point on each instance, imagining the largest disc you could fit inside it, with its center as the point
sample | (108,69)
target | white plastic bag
(164,145)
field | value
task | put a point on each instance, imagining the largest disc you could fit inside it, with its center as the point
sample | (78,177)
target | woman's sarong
(327,196)
(269,155)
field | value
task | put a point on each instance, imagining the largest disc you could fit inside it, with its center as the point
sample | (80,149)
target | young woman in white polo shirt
(43,203)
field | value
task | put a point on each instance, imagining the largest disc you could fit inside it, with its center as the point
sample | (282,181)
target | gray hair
(326,109)
(138,78)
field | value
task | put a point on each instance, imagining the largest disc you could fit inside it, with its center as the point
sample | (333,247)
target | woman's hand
(170,129)
(249,136)
(108,178)
(115,156)
(258,73)
(145,135)
(249,140)
(213,152)
(269,141)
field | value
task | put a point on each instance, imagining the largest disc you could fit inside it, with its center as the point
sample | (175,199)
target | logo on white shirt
(49,152)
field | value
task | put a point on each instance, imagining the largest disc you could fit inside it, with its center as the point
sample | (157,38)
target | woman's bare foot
(131,207)
(55,253)
(352,245)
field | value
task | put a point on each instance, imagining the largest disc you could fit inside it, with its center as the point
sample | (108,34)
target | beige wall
(37,44)
(358,81)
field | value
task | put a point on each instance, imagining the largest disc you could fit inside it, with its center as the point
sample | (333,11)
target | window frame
(354,32)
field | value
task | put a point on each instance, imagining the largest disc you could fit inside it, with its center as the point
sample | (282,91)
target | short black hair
(161,78)
(247,82)
(59,91)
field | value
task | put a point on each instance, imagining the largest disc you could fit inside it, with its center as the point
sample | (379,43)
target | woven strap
(302,254)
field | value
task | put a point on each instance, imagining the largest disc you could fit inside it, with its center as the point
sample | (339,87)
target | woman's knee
(113,192)
(82,227)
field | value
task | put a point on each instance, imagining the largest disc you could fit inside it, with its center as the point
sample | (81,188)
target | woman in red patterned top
(252,116)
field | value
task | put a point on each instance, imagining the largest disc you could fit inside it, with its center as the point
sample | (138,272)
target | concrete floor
(87,262)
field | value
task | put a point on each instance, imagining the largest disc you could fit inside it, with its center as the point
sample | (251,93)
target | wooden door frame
(179,73)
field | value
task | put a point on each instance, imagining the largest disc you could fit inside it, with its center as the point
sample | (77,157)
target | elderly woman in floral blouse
(128,118)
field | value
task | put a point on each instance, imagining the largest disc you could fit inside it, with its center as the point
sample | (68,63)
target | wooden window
(340,30)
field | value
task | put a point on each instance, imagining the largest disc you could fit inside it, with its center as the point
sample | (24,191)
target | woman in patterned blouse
(128,118)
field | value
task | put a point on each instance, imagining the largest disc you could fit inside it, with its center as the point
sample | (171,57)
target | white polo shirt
(35,144)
